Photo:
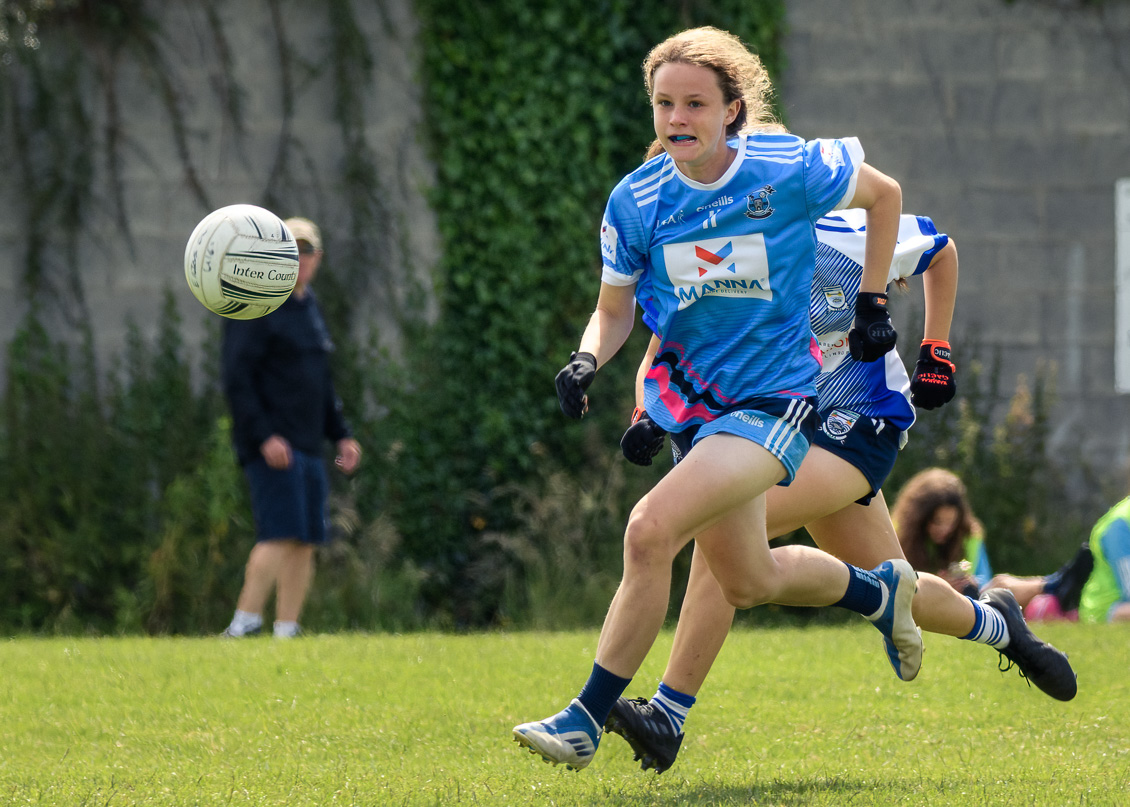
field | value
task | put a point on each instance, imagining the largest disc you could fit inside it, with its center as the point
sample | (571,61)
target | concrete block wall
(119,282)
(1008,124)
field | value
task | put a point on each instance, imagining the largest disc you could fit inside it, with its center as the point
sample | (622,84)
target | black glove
(643,439)
(572,382)
(932,383)
(872,335)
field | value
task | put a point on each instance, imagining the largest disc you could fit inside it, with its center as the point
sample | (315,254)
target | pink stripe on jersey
(674,402)
(814,349)
(690,374)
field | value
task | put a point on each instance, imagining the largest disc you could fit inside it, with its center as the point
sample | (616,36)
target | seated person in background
(938,531)
(1106,594)
(940,534)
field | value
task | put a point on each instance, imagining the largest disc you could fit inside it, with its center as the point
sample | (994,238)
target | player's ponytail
(654,150)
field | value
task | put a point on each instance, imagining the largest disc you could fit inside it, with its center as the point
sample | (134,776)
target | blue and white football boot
(570,737)
(901,637)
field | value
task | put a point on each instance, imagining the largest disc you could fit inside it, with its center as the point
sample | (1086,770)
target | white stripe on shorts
(787,427)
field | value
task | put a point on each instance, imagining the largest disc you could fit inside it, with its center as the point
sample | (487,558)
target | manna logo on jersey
(718,259)
(757,203)
(728,267)
(608,237)
(838,423)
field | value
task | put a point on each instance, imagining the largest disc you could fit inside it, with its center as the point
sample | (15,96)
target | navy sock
(1052,581)
(600,693)
(864,593)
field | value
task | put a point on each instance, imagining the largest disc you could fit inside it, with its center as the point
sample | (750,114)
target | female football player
(719,226)
(865,412)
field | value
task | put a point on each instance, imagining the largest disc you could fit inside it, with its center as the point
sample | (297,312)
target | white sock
(989,626)
(244,622)
(675,711)
(286,630)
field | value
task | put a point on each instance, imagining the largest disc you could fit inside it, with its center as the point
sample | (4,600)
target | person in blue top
(865,411)
(720,227)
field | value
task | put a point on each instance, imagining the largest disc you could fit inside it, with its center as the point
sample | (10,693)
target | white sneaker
(570,736)
(287,630)
(901,637)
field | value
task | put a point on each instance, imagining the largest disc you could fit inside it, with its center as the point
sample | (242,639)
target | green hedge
(534,112)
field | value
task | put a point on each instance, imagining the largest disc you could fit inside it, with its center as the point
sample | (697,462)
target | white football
(241,262)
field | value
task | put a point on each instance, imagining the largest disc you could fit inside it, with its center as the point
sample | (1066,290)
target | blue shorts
(782,426)
(870,444)
(290,503)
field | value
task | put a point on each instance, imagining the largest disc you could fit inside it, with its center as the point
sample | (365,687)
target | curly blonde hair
(741,75)
(917,502)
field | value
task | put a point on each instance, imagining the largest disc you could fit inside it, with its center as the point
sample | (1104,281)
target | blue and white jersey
(728,268)
(879,389)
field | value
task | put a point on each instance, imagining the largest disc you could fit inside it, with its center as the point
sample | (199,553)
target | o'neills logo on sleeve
(729,267)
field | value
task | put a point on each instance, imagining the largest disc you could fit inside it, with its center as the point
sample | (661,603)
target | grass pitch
(791,716)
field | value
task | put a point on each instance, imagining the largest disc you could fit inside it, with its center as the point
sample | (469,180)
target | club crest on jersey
(838,423)
(757,203)
(835,297)
(674,218)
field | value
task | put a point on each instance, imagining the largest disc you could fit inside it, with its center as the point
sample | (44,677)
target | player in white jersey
(865,410)
(720,228)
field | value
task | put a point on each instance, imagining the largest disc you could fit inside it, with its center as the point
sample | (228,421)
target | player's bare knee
(745,594)
(646,541)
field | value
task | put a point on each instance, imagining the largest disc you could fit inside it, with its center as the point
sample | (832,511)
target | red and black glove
(932,384)
(643,439)
(872,335)
(572,382)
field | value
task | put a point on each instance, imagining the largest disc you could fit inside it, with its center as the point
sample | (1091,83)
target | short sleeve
(919,241)
(831,169)
(623,242)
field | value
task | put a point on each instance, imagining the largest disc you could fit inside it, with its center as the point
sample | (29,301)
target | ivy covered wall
(123,122)
(127,120)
